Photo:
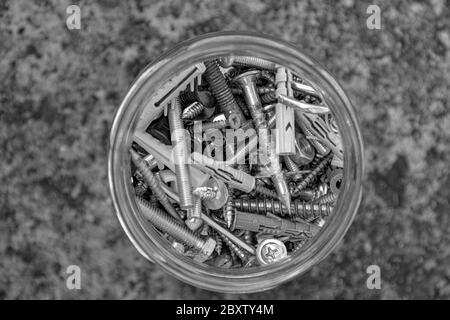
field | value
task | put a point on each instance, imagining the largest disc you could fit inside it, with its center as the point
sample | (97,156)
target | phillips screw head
(270,251)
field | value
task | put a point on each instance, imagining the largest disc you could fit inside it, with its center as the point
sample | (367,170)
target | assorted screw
(269,195)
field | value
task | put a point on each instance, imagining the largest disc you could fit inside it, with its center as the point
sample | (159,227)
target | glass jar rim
(205,47)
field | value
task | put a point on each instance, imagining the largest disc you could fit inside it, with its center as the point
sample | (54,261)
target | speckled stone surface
(60,88)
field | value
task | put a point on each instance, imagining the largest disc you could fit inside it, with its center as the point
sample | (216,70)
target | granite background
(60,88)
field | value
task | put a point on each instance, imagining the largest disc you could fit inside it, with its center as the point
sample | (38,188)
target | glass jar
(147,240)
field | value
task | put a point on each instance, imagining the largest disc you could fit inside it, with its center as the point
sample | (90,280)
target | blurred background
(59,90)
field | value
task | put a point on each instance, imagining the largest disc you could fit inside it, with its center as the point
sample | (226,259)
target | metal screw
(180,156)
(178,231)
(223,95)
(247,81)
(271,251)
(247,61)
(305,210)
(153,183)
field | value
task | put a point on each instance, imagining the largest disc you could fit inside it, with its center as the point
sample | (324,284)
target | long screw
(181,167)
(313,174)
(302,209)
(180,232)
(153,183)
(247,61)
(223,95)
(248,83)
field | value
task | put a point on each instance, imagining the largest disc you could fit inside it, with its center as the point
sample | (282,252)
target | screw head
(270,251)
(234,121)
(206,251)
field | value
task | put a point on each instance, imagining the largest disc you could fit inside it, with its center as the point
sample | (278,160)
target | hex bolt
(313,174)
(153,183)
(178,231)
(179,148)
(305,210)
(223,95)
(305,152)
(247,62)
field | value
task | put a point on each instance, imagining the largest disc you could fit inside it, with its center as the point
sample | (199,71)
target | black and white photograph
(245,151)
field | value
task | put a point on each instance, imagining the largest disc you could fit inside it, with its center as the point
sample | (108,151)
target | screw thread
(320,147)
(221,91)
(234,248)
(205,193)
(151,180)
(253,62)
(305,210)
(269,97)
(188,97)
(266,192)
(327,198)
(290,164)
(313,174)
(242,105)
(164,222)
(193,111)
(179,146)
(228,212)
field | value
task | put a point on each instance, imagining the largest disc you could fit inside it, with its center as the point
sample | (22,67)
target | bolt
(246,61)
(178,231)
(305,210)
(153,183)
(179,148)
(305,152)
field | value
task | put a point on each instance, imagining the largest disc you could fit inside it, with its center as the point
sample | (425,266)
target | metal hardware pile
(236,162)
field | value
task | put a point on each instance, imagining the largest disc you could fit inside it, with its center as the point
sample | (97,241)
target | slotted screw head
(270,251)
